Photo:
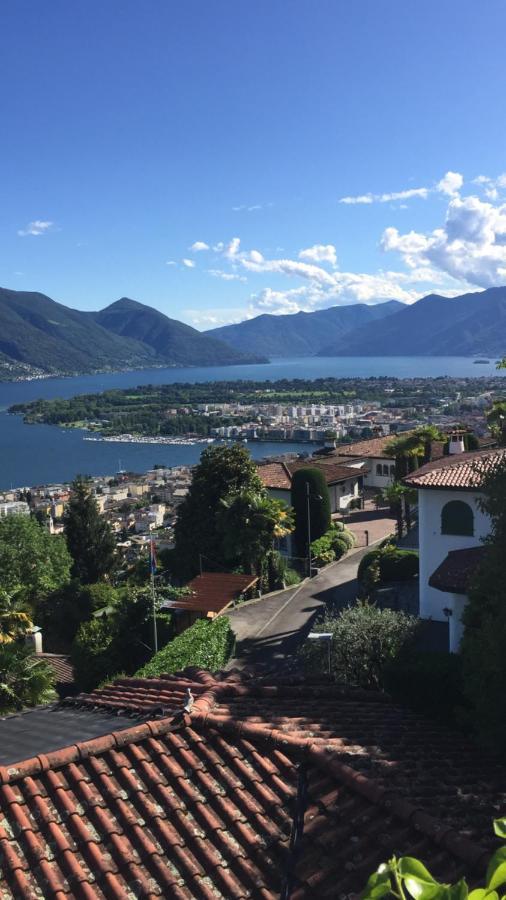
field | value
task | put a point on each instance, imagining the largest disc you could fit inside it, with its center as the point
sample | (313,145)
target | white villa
(452,526)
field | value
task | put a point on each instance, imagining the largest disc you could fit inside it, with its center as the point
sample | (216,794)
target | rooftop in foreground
(264,790)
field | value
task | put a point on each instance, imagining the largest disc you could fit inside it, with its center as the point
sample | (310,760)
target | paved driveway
(269,631)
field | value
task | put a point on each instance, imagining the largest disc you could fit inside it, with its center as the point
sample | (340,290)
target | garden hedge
(207,643)
(395,565)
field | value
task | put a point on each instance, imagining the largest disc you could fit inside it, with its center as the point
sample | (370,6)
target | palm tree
(15,621)
(24,679)
(251,521)
(413,447)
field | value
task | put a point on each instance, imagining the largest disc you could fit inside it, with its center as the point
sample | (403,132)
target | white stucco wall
(371,478)
(435,546)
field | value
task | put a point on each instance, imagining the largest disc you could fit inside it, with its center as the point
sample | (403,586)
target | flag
(152,557)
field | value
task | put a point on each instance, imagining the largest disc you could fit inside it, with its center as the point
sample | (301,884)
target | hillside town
(253,450)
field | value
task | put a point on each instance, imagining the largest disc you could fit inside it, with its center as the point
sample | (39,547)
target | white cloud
(226,276)
(39,226)
(361,198)
(189,263)
(198,246)
(470,247)
(244,208)
(171,262)
(387,198)
(320,253)
(451,183)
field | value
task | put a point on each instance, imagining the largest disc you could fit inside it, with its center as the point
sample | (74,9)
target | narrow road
(269,631)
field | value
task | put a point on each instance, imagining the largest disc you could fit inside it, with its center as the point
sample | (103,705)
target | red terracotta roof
(372,447)
(264,790)
(275,475)
(62,666)
(464,471)
(278,475)
(457,569)
(213,592)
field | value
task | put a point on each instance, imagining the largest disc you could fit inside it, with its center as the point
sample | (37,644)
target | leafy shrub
(25,680)
(407,877)
(291,577)
(395,564)
(428,682)
(208,643)
(332,545)
(91,654)
(321,550)
(120,641)
(365,640)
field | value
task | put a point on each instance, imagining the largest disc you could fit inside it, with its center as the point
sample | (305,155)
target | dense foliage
(223,473)
(484,640)
(408,879)
(32,562)
(395,564)
(150,408)
(332,545)
(208,644)
(120,640)
(89,537)
(24,679)
(249,521)
(365,641)
(312,481)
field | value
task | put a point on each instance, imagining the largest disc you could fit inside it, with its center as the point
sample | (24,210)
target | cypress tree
(89,536)
(319,506)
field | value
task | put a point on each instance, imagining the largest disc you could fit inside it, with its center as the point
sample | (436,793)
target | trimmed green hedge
(208,644)
(395,564)
(332,545)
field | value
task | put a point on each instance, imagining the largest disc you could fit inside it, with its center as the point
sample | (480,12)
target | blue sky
(288,137)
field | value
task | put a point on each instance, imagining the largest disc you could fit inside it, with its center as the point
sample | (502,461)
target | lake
(38,454)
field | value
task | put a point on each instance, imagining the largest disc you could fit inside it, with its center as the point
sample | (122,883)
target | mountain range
(302,333)
(40,334)
(469,325)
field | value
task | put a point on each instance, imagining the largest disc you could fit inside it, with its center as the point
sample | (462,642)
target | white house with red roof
(452,527)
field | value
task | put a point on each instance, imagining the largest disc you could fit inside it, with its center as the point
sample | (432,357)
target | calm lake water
(38,454)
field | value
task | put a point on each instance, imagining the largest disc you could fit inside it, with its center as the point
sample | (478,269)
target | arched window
(457,518)
(378,469)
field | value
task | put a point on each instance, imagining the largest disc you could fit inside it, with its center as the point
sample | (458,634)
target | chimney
(457,444)
(33,639)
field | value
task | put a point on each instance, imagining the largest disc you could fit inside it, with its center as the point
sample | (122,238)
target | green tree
(496,418)
(484,617)
(412,449)
(222,472)
(32,562)
(119,640)
(89,537)
(249,522)
(310,482)
(365,641)
(24,679)
(394,496)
